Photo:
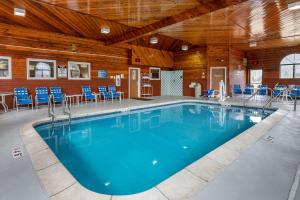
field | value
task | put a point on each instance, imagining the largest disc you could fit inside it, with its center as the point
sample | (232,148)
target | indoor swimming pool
(130,152)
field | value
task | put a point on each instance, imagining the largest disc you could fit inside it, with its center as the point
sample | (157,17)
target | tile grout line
(292,193)
(207,181)
(162,193)
(57,162)
(63,190)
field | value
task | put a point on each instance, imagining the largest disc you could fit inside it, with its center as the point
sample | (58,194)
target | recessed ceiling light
(252,44)
(105,30)
(153,40)
(19,12)
(184,47)
(294,6)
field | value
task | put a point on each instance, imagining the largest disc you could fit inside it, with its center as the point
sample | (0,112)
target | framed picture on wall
(79,70)
(62,71)
(154,73)
(5,67)
(41,69)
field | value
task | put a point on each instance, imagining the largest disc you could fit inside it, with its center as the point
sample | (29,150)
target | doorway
(216,75)
(256,77)
(172,83)
(134,82)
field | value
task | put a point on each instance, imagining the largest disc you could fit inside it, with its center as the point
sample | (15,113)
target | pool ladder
(66,111)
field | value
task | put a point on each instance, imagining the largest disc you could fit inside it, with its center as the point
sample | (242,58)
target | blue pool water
(127,153)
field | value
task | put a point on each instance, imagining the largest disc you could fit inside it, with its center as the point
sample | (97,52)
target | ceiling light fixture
(294,6)
(184,47)
(105,30)
(252,44)
(153,40)
(19,12)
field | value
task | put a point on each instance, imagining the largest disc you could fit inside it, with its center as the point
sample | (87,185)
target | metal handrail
(269,102)
(66,105)
(252,95)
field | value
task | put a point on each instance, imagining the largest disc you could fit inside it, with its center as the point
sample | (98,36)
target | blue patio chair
(104,93)
(56,95)
(21,98)
(262,90)
(295,92)
(115,94)
(209,93)
(87,94)
(248,90)
(236,90)
(41,96)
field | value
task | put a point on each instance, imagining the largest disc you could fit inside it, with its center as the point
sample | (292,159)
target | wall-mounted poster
(5,67)
(79,70)
(118,80)
(62,71)
(102,73)
(41,69)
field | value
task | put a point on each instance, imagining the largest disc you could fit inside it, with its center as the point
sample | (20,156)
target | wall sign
(118,80)
(102,74)
(62,71)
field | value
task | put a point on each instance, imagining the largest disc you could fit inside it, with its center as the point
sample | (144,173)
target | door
(172,83)
(134,82)
(256,77)
(216,75)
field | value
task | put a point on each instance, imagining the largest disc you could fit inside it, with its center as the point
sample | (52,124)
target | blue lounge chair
(262,90)
(21,98)
(209,93)
(115,94)
(56,95)
(41,96)
(248,90)
(104,93)
(87,94)
(236,90)
(295,92)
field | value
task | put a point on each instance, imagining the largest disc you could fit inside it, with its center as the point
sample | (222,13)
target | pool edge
(180,185)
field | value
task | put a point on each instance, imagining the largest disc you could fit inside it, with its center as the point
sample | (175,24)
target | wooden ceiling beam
(204,7)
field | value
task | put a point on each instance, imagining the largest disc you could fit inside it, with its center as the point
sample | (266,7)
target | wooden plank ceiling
(175,22)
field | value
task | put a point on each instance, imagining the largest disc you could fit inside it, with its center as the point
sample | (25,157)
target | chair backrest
(56,91)
(102,89)
(112,88)
(41,92)
(236,86)
(21,93)
(210,92)
(86,90)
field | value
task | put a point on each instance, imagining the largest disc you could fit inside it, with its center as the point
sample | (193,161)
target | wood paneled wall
(151,57)
(19,73)
(194,66)
(232,59)
(237,68)
(269,60)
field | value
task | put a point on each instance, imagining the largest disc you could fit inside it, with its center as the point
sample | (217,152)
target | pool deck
(262,163)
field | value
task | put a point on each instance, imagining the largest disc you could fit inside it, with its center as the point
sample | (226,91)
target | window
(5,67)
(41,69)
(256,77)
(79,70)
(290,66)
(154,73)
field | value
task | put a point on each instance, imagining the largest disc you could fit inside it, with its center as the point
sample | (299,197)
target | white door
(172,83)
